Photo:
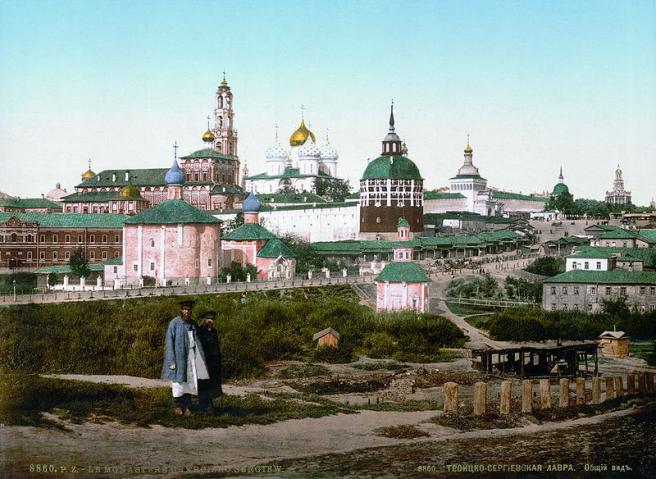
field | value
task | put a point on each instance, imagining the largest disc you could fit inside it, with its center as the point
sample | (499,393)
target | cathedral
(618,196)
(297,167)
(211,174)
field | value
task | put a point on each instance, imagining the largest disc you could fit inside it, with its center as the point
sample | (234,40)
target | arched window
(14,238)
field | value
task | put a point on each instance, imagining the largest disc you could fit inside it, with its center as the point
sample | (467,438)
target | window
(576,290)
(136,267)
(598,264)
(574,265)
(55,255)
(152,243)
(586,265)
(116,239)
(92,238)
(593,290)
(553,290)
(104,238)
(378,219)
(152,266)
(55,238)
(115,254)
(29,238)
(643,290)
(42,255)
(67,255)
(197,263)
(29,256)
(92,255)
(209,262)
(608,291)
(42,238)
(79,238)
(115,269)
(67,238)
(104,255)
(565,290)
(652,307)
(623,290)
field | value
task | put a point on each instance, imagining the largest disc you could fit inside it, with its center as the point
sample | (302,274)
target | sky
(536,83)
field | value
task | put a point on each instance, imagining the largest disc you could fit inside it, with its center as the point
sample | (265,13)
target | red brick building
(34,240)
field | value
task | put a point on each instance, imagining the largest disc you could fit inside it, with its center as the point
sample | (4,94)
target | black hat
(209,314)
(187,304)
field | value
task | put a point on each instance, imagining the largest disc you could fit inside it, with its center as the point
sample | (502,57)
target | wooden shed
(614,344)
(327,337)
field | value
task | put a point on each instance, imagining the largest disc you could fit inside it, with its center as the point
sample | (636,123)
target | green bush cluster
(127,336)
(547,266)
(482,287)
(539,325)
(25,283)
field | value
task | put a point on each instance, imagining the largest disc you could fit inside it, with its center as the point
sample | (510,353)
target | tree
(237,272)
(563,202)
(231,225)
(332,189)
(79,265)
(547,266)
(52,279)
(288,190)
(306,257)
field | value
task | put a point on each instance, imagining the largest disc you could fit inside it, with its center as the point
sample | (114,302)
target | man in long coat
(184,359)
(209,338)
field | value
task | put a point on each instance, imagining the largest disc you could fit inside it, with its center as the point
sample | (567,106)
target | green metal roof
(172,212)
(281,198)
(505,195)
(646,255)
(68,220)
(114,261)
(96,196)
(207,153)
(560,188)
(602,227)
(138,177)
(393,167)
(249,232)
(618,234)
(648,236)
(404,223)
(226,190)
(66,269)
(403,272)
(29,203)
(616,276)
(275,248)
(434,195)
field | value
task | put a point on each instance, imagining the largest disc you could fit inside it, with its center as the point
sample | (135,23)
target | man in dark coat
(209,339)
(184,361)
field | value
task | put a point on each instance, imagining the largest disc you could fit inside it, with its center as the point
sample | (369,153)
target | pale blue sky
(536,83)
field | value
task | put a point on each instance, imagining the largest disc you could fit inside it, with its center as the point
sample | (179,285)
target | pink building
(253,244)
(402,284)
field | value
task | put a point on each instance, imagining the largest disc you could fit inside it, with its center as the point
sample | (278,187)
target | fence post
(580,391)
(630,383)
(610,388)
(619,388)
(450,390)
(527,396)
(564,392)
(504,403)
(545,394)
(480,398)
(596,390)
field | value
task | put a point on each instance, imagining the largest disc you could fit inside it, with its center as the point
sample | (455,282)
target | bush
(380,345)
(547,266)
(483,287)
(329,354)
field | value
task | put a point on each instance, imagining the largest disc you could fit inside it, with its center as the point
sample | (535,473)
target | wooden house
(327,337)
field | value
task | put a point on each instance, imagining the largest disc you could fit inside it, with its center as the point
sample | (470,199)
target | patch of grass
(26,397)
(339,386)
(404,431)
(644,350)
(404,406)
(472,423)
(303,371)
(464,309)
(388,366)
(479,322)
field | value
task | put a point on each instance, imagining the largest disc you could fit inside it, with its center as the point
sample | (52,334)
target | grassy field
(479,322)
(644,350)
(25,397)
(464,309)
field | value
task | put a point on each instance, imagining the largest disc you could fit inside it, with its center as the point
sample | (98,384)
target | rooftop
(403,272)
(392,167)
(172,212)
(68,220)
(249,232)
(29,203)
(615,276)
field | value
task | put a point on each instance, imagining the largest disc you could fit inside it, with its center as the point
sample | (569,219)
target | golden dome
(300,136)
(130,191)
(208,137)
(87,175)
(468,148)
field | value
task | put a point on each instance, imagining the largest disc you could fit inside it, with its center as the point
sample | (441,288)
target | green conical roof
(249,232)
(560,188)
(394,167)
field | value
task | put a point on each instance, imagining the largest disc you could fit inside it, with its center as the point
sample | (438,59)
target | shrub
(547,266)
